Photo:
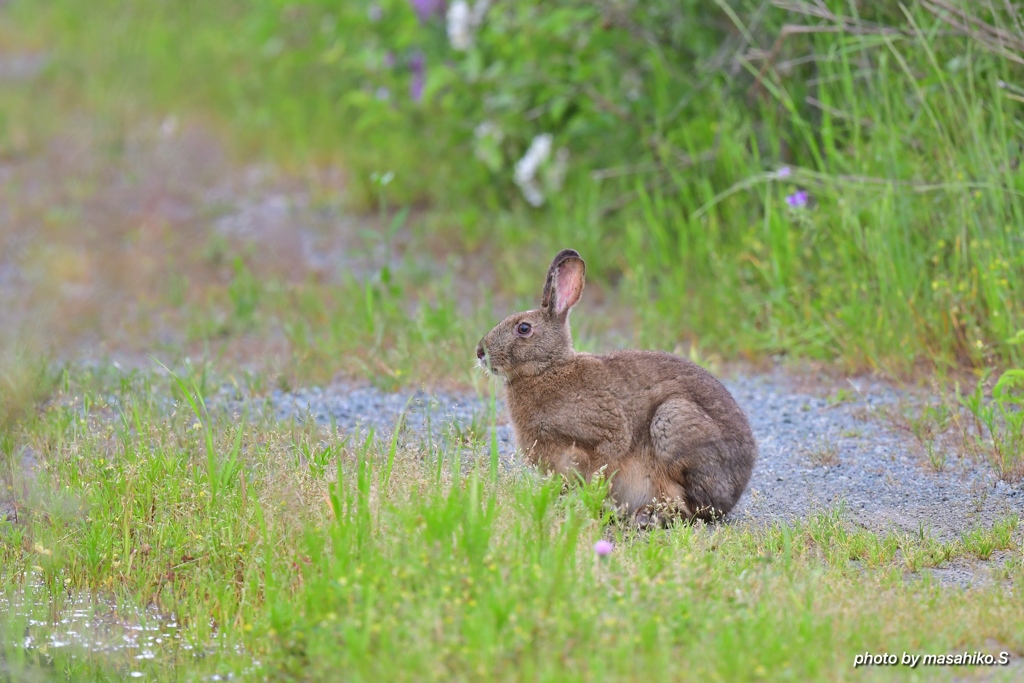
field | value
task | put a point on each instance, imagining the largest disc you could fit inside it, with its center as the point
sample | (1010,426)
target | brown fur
(672,437)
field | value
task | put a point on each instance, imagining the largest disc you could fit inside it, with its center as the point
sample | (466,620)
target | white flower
(525,175)
(537,164)
(460,29)
(463,21)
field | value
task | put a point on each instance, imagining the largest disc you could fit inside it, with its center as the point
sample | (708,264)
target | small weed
(998,422)
(923,550)
(930,427)
(824,454)
(472,433)
(842,395)
(320,458)
(1003,531)
(979,543)
(937,456)
(873,549)
(593,495)
(932,420)
(829,532)
(983,542)
(979,496)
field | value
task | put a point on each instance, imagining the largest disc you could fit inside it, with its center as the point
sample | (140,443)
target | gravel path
(813,455)
(438,415)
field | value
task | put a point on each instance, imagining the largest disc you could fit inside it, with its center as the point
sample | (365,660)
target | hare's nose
(480,353)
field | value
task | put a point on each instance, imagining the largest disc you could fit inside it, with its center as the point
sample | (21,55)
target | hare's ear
(564,284)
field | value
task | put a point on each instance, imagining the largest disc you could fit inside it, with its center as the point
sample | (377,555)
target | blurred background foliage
(833,179)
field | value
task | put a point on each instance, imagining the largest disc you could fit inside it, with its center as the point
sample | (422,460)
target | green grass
(26,378)
(392,328)
(423,563)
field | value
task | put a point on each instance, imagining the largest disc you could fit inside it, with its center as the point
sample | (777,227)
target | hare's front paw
(646,518)
(650,517)
(661,513)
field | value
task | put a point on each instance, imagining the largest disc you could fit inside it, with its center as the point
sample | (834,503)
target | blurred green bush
(835,179)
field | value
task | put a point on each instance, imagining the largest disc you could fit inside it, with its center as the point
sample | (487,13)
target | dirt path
(109,236)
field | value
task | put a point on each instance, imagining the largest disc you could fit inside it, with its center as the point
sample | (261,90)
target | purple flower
(418,65)
(784,172)
(426,9)
(603,548)
(798,200)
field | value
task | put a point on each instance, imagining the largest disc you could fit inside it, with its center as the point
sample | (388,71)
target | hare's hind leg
(688,445)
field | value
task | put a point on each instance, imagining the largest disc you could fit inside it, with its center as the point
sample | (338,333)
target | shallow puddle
(93,636)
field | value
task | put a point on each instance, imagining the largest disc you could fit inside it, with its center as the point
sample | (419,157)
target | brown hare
(670,436)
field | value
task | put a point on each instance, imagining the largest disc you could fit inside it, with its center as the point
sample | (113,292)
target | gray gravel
(877,473)
(813,455)
(439,416)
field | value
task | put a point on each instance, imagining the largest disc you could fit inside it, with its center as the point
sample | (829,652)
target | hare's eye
(524,329)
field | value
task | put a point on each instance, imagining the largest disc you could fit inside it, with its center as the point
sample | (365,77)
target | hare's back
(659,375)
